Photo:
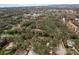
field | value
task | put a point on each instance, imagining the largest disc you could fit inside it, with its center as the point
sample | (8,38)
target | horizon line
(27,5)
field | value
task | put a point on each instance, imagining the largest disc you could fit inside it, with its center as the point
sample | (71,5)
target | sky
(36,2)
(39,1)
